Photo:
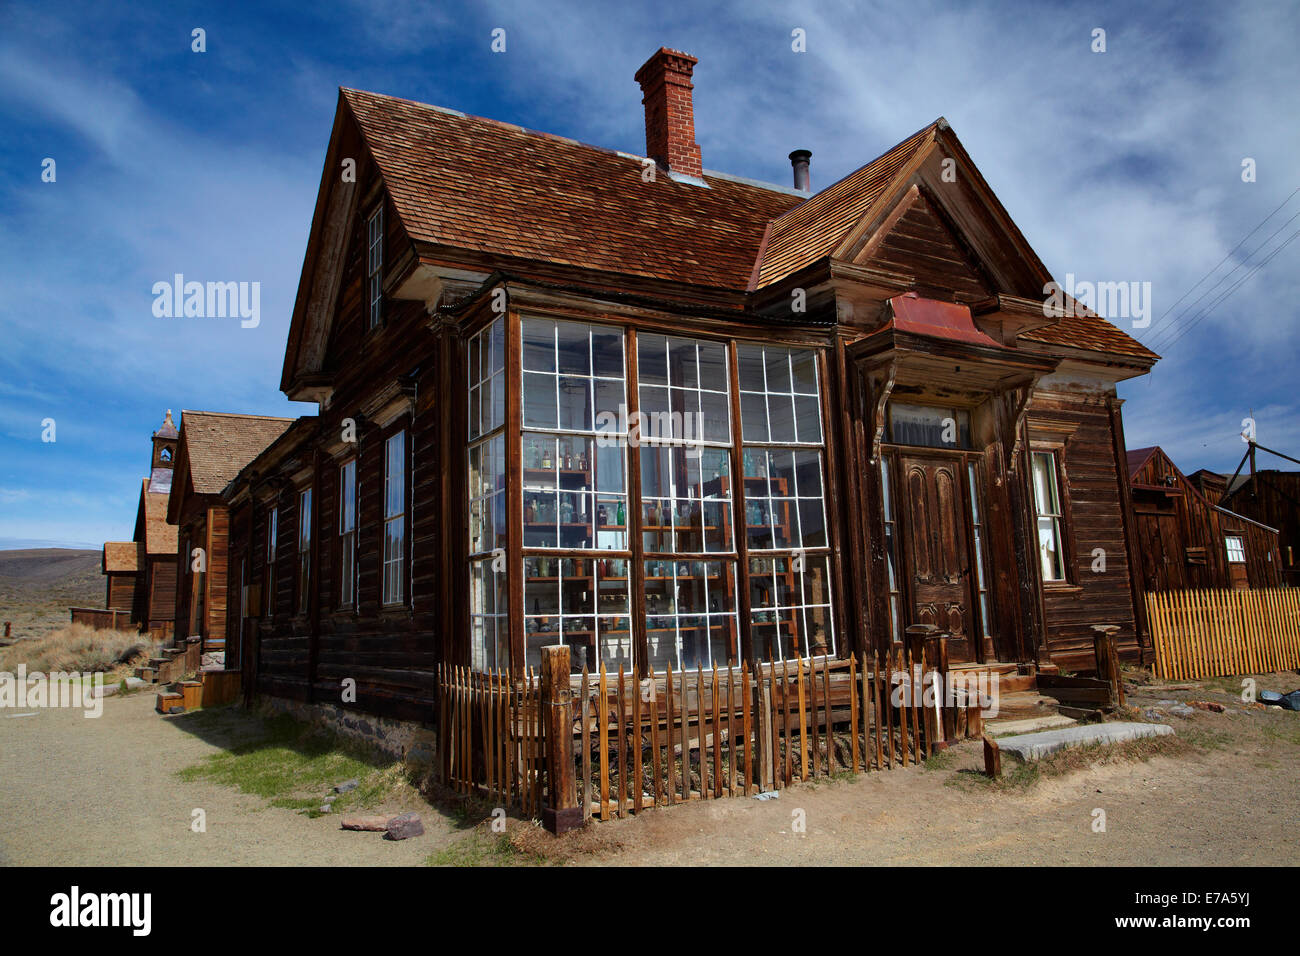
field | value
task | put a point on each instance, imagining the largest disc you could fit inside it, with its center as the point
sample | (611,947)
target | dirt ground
(78,791)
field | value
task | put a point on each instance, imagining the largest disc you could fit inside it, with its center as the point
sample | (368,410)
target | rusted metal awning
(940,320)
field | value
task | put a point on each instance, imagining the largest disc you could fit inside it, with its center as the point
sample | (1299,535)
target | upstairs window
(394,588)
(1236,549)
(348,534)
(1047,506)
(375,265)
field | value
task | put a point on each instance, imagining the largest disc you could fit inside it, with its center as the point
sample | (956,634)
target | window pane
(713,366)
(777,364)
(575,404)
(780,410)
(804,366)
(607,352)
(750,367)
(573,348)
(753,417)
(538,345)
(539,401)
(652,360)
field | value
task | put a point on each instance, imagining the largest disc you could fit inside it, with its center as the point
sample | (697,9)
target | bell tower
(164,455)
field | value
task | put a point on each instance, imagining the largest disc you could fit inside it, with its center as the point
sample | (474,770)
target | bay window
(624,523)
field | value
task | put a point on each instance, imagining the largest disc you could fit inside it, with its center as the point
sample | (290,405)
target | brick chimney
(669,116)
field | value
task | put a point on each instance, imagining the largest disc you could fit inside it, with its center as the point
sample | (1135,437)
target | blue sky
(1117,166)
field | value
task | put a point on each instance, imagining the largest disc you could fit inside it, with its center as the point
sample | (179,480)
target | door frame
(983,646)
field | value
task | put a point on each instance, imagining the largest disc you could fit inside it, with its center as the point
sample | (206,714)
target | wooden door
(935,556)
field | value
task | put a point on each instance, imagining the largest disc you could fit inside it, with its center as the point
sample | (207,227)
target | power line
(1224,259)
(1171,331)
(1210,308)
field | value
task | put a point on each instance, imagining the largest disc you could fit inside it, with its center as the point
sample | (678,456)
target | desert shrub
(76,648)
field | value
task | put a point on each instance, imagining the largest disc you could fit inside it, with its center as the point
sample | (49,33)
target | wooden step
(1024,705)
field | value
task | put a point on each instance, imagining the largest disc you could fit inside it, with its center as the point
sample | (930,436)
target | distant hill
(38,585)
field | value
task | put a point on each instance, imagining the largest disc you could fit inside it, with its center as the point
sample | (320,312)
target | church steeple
(164,454)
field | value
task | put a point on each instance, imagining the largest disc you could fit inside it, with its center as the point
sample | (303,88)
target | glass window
(791,602)
(394,518)
(304,550)
(891,554)
(375,265)
(1047,506)
(977,530)
(783,469)
(272,529)
(575,421)
(581,602)
(1236,549)
(348,534)
(929,426)
(488,616)
(690,610)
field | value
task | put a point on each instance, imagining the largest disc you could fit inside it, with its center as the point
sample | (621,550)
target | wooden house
(120,565)
(1272,497)
(211,449)
(1187,541)
(667,415)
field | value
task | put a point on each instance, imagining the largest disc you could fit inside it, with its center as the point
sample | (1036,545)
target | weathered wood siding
(1093,502)
(1181,535)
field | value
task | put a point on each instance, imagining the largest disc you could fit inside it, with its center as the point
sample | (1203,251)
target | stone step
(1038,745)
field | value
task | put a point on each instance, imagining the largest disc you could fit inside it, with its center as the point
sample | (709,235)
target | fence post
(561,812)
(1107,654)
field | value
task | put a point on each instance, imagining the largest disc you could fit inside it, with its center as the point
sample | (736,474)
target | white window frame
(394,548)
(1237,553)
(1049,522)
(348,533)
(272,530)
(305,532)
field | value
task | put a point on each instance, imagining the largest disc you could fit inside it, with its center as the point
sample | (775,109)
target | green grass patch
(484,849)
(294,766)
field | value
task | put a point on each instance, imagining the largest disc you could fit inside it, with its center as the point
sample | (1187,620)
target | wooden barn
(669,416)
(1188,542)
(1272,497)
(212,448)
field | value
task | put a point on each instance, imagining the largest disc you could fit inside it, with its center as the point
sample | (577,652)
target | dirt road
(78,791)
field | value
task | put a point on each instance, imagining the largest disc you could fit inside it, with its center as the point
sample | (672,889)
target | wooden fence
(1218,633)
(674,737)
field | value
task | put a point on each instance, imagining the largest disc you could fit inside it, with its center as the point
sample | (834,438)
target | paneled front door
(935,554)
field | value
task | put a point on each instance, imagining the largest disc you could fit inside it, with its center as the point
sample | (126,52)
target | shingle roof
(219,444)
(471,183)
(1091,332)
(474,183)
(122,556)
(816,227)
(159,536)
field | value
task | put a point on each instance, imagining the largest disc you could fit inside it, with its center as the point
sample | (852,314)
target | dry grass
(76,647)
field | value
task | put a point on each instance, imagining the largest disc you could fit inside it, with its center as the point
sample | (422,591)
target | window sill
(1062,587)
